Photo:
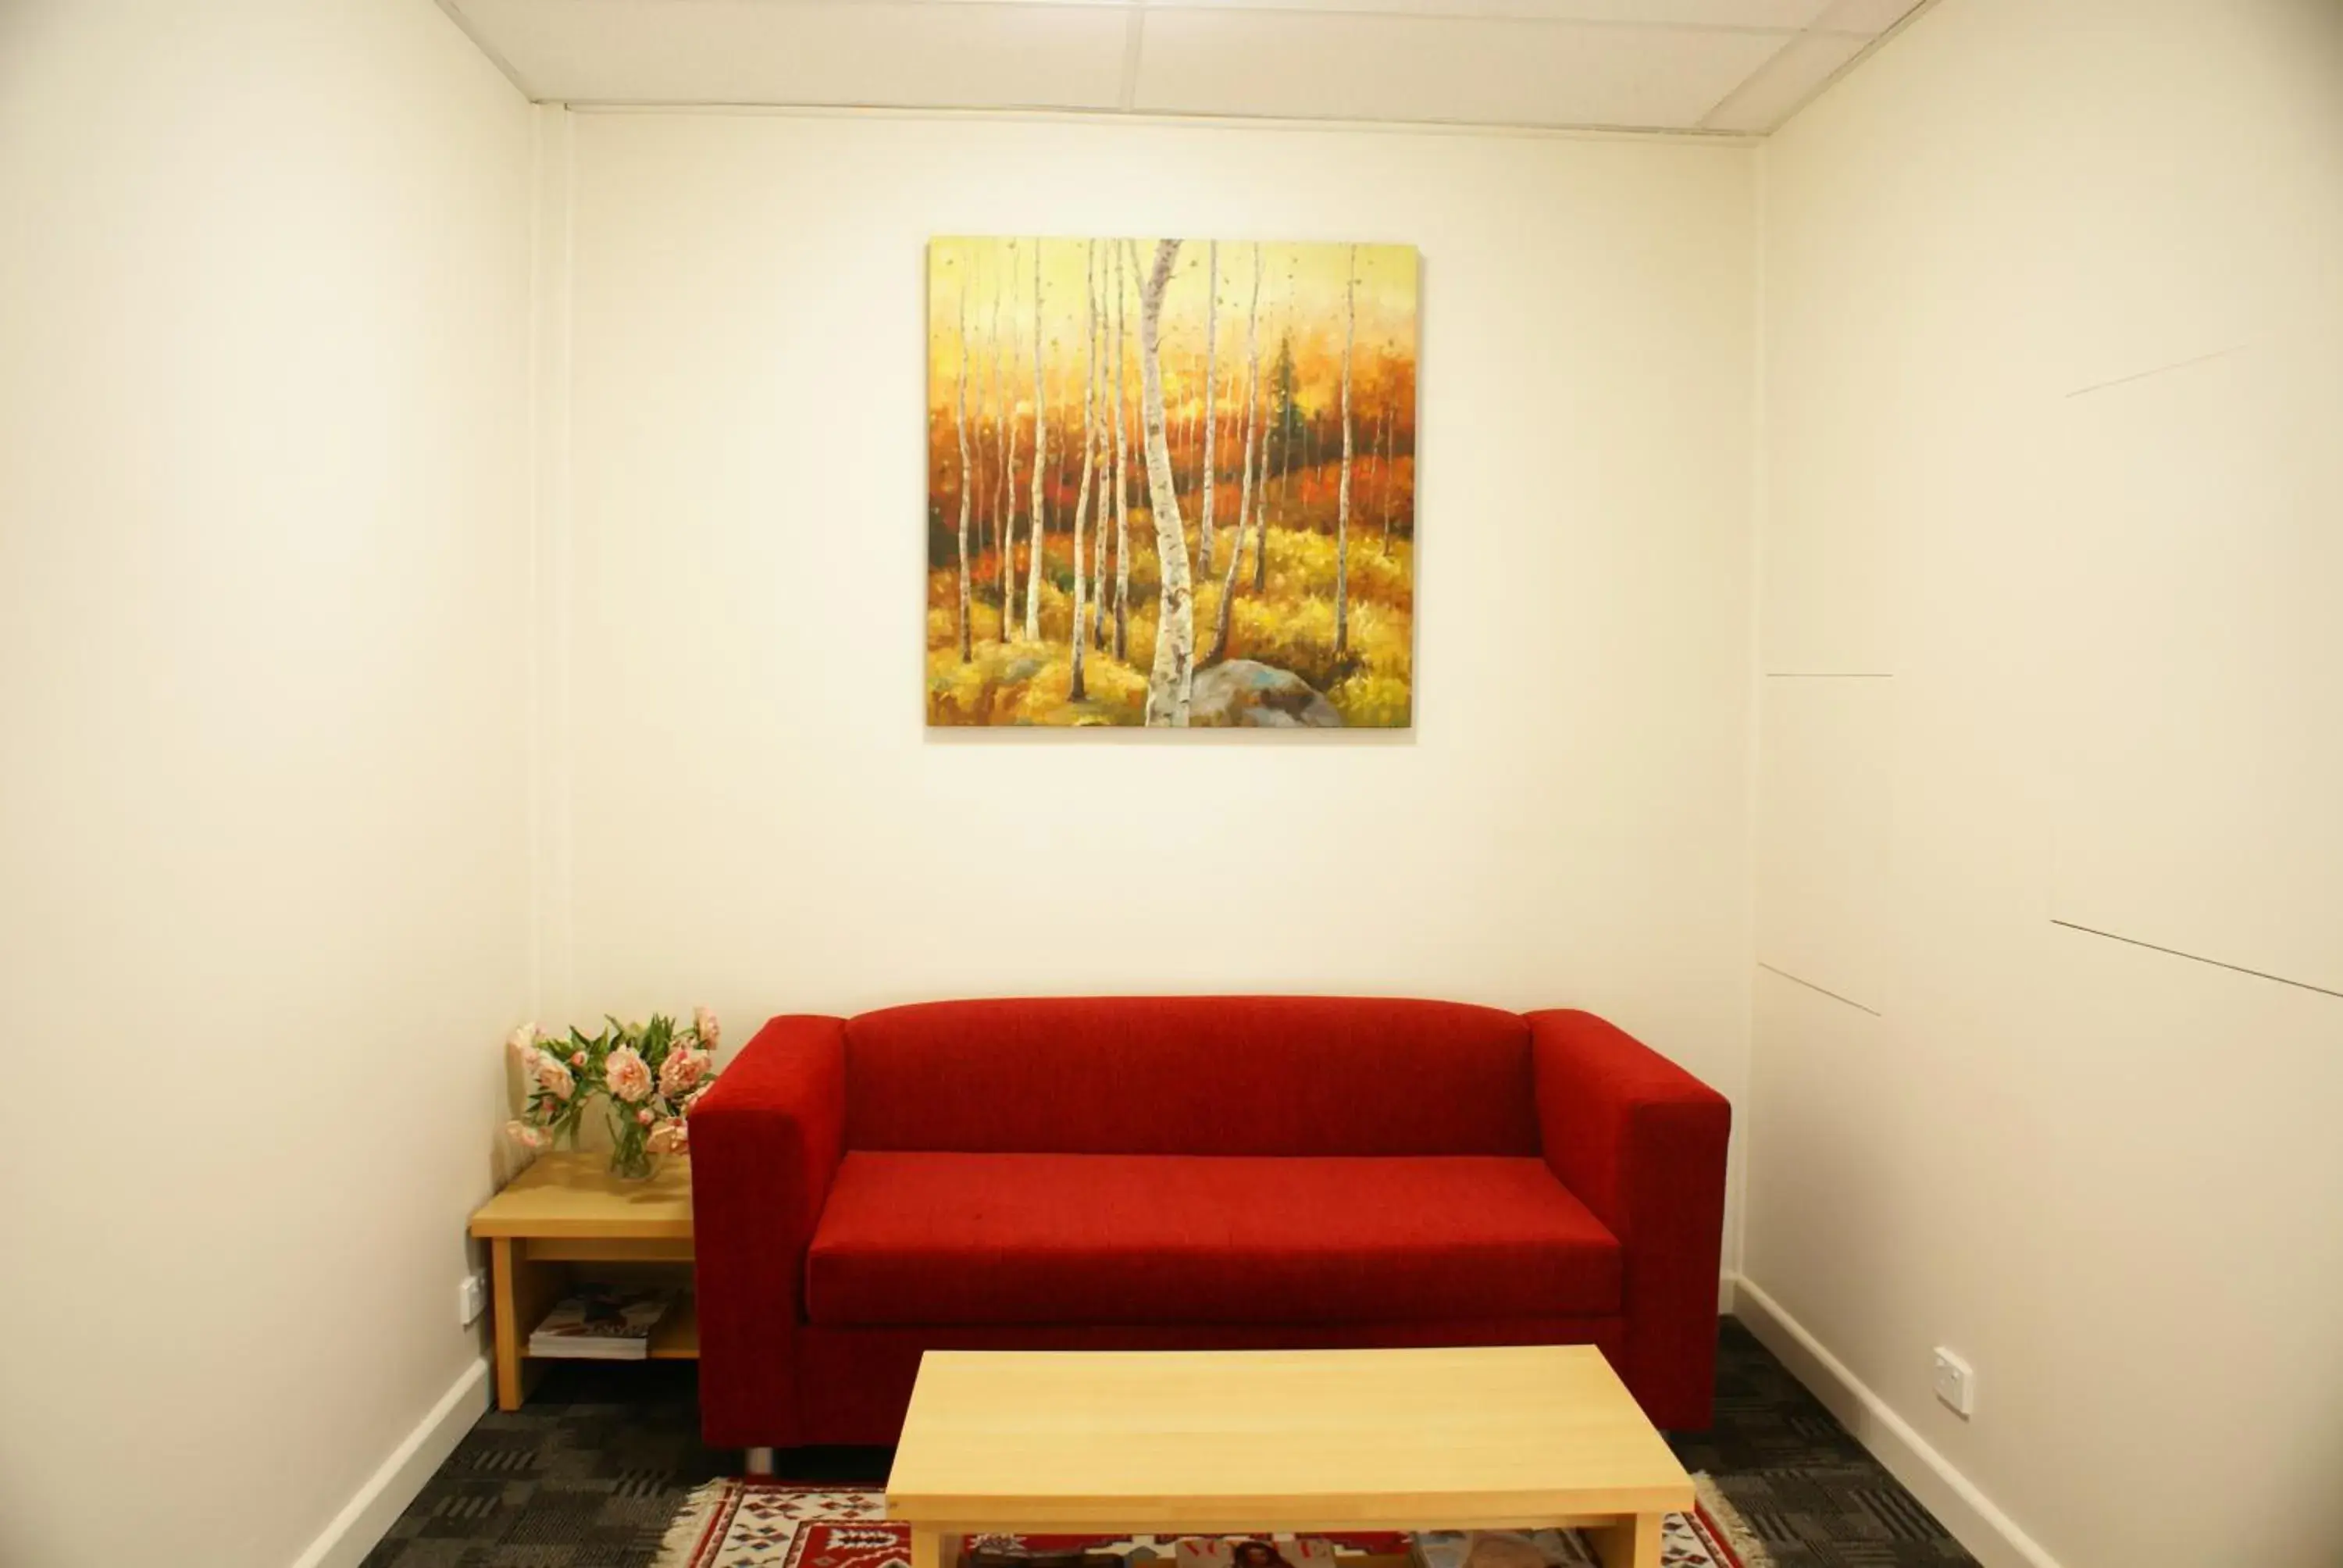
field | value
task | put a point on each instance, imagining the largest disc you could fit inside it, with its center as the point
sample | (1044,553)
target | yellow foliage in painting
(1117,694)
(1379,639)
(1373,700)
(1057,612)
(1282,632)
(1299,635)
(943,614)
(1290,624)
(1302,565)
(957,693)
(1027,682)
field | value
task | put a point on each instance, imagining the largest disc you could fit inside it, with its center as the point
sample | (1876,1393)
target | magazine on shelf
(1162,1552)
(602,1323)
(1494,1549)
(1254,1552)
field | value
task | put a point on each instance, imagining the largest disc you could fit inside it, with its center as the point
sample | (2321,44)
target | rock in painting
(1245,692)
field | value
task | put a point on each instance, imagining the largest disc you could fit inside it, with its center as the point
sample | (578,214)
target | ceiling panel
(876,52)
(1735,66)
(1778,15)
(1783,84)
(1436,69)
(1865,16)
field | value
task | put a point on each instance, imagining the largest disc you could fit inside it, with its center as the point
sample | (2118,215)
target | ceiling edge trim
(1295,122)
(1895,30)
(454,13)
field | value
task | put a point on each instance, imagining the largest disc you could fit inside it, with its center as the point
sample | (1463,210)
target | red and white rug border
(706,1519)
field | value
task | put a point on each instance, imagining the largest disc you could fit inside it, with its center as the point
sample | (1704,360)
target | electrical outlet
(471,1299)
(1956,1382)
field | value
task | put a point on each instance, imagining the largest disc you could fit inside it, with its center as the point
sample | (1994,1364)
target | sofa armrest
(1642,1142)
(765,1142)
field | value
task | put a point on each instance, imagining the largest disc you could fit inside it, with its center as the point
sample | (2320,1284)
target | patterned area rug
(754,1523)
(590,1471)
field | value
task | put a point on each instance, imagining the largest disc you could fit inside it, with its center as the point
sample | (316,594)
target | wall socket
(471,1299)
(1956,1382)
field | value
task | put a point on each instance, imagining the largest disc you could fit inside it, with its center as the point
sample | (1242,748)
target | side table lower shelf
(526,1284)
(565,1220)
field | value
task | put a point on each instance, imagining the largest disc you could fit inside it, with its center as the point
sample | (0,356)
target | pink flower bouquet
(647,1076)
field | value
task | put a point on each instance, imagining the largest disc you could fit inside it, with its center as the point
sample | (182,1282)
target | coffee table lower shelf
(1620,1541)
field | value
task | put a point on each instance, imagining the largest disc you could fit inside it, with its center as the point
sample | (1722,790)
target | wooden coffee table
(1245,1442)
(567,1209)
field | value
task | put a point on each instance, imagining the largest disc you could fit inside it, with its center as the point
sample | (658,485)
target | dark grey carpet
(588,1475)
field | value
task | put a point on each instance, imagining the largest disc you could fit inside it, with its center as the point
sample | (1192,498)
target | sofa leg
(760,1462)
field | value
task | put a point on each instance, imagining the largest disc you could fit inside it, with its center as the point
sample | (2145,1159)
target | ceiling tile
(1868,17)
(878,52)
(1785,15)
(1786,83)
(1338,66)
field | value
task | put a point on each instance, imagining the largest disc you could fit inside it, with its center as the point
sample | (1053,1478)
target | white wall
(264,579)
(2054,367)
(754,815)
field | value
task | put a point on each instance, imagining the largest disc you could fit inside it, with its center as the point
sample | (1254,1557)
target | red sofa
(1187,1173)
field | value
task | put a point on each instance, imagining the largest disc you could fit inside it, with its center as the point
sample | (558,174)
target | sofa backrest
(1191,1075)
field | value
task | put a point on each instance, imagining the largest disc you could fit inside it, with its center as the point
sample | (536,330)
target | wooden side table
(566,1209)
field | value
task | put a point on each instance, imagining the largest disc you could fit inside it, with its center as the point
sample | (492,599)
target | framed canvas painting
(1170,482)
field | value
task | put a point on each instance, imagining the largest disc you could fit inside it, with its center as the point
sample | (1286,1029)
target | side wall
(754,816)
(2049,1026)
(264,600)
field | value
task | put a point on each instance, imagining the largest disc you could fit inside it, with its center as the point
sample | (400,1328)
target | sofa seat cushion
(935,1238)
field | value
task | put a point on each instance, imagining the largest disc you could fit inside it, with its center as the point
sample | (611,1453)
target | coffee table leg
(934,1548)
(1633,1542)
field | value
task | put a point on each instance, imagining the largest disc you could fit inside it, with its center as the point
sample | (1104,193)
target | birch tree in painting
(1211,413)
(1061,481)
(1261,479)
(1006,567)
(1075,692)
(1250,410)
(1343,507)
(966,490)
(1121,475)
(989,505)
(1106,469)
(1168,687)
(1037,524)
(1105,505)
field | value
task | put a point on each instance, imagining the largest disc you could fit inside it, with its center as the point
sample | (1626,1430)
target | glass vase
(630,1158)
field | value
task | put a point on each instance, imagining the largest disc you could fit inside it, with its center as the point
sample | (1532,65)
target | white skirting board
(1992,1537)
(367,1516)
